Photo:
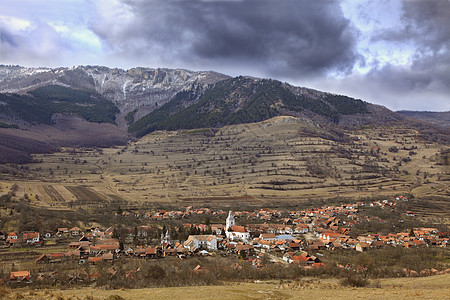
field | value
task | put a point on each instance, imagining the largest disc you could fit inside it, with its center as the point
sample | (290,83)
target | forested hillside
(41,104)
(241,100)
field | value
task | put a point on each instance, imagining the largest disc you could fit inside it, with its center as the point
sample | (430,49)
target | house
(300,259)
(267,236)
(284,237)
(20,276)
(129,251)
(62,230)
(287,257)
(317,245)
(104,248)
(378,244)
(362,246)
(11,236)
(336,244)
(238,233)
(294,246)
(242,248)
(43,259)
(140,252)
(59,256)
(236,267)
(301,228)
(152,252)
(108,257)
(30,237)
(169,252)
(217,228)
(109,231)
(75,231)
(201,242)
(94,260)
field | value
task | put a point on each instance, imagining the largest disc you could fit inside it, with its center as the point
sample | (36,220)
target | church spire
(230,221)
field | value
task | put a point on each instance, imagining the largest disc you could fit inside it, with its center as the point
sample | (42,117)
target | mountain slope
(53,116)
(42,103)
(140,89)
(143,100)
(243,100)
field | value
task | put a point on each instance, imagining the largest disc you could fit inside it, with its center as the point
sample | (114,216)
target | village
(254,237)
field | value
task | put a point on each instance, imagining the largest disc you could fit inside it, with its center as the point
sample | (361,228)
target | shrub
(354,280)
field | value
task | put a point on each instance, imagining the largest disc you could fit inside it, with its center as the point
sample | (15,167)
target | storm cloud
(389,52)
(274,37)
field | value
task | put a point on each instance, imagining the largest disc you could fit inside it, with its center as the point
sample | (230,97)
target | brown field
(282,161)
(434,287)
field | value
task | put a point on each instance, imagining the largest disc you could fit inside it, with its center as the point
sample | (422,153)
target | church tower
(165,239)
(230,221)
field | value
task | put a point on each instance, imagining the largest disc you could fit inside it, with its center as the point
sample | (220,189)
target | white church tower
(165,239)
(230,221)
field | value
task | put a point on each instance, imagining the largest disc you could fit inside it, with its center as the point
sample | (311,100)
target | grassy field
(434,287)
(279,161)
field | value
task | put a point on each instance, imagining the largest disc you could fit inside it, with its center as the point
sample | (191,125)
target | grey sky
(393,53)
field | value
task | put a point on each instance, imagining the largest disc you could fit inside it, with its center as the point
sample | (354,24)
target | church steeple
(230,221)
(166,238)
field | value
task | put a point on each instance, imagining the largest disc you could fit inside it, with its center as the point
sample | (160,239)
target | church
(234,232)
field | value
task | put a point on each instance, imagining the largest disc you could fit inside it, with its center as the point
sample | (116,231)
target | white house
(201,242)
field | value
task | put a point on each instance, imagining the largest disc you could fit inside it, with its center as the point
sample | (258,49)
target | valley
(122,179)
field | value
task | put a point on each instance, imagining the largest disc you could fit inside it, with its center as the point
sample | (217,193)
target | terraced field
(281,161)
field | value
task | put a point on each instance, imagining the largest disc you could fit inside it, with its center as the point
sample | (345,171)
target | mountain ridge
(142,100)
(138,88)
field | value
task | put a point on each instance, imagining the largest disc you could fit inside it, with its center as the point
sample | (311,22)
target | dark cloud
(279,38)
(301,41)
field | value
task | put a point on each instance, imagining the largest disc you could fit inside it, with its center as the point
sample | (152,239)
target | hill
(243,100)
(282,161)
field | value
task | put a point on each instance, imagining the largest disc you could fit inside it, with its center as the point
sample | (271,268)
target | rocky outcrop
(143,89)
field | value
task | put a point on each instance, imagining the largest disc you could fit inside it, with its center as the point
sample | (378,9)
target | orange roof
(95,259)
(105,247)
(300,258)
(238,228)
(23,274)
